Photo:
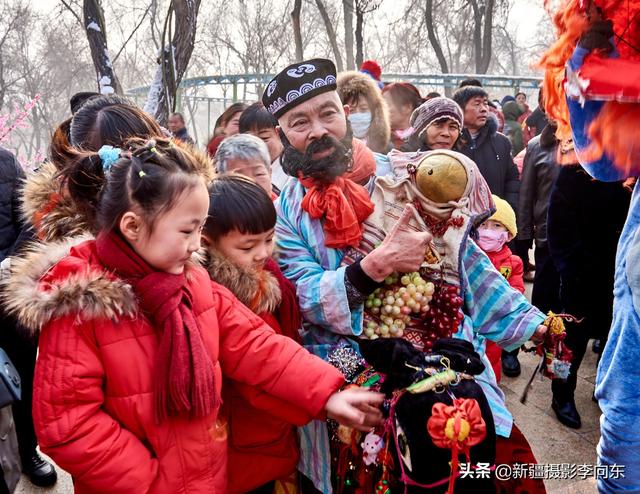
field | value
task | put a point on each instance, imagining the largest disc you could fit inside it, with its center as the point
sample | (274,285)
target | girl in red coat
(135,339)
(494,235)
(238,240)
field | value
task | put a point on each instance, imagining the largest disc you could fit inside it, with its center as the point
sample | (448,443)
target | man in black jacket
(11,176)
(539,173)
(491,150)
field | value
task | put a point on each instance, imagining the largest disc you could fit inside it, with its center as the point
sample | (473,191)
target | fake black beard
(324,170)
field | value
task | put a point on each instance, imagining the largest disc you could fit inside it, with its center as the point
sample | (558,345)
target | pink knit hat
(435,109)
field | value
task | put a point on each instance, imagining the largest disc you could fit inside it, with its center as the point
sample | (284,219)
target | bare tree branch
(297,31)
(331,33)
(96,30)
(132,33)
(70,9)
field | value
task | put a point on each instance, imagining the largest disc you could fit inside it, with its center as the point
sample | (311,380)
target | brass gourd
(441,178)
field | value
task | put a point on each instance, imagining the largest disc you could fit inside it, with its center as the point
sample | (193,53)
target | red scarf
(344,203)
(288,312)
(185,382)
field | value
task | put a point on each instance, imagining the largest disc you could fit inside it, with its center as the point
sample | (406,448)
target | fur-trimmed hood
(34,299)
(258,290)
(354,84)
(48,209)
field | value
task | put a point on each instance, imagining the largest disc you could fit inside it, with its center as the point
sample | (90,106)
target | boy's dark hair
(238,203)
(470,82)
(110,120)
(256,118)
(521,93)
(433,94)
(150,175)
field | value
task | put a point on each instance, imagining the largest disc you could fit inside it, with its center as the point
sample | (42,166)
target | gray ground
(552,442)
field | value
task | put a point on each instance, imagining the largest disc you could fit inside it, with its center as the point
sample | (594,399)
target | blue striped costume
(493,310)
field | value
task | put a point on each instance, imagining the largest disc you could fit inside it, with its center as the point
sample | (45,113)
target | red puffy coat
(93,403)
(512,268)
(263,443)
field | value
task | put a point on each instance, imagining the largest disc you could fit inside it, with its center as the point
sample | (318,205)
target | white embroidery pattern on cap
(271,88)
(305,88)
(301,70)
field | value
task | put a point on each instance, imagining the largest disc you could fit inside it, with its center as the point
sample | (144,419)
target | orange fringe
(614,132)
(570,22)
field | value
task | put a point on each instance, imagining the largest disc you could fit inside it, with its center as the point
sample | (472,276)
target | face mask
(360,123)
(491,240)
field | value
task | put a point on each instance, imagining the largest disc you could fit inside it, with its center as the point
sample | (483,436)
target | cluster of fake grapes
(444,315)
(392,306)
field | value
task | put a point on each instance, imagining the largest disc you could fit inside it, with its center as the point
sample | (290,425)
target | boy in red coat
(238,245)
(494,234)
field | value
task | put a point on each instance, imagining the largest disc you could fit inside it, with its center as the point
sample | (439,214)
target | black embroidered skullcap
(298,83)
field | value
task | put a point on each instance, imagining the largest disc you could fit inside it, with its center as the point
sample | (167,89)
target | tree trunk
(433,37)
(174,59)
(482,34)
(487,37)
(359,37)
(347,7)
(297,31)
(97,36)
(331,33)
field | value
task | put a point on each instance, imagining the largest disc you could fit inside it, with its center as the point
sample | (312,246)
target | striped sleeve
(498,312)
(313,268)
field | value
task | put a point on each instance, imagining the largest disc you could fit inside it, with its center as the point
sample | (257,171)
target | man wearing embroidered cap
(320,217)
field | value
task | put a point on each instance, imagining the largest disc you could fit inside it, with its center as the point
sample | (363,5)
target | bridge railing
(202,99)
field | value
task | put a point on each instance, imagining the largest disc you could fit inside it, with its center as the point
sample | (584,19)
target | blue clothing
(493,310)
(618,374)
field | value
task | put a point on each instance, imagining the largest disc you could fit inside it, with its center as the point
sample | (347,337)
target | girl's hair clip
(141,173)
(109,156)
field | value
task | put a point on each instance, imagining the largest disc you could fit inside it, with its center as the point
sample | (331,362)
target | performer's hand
(538,336)
(402,250)
(597,37)
(355,407)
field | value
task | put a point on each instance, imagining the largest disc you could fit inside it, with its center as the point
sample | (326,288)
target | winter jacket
(183,135)
(52,214)
(11,176)
(511,267)
(618,371)
(491,151)
(512,129)
(263,443)
(539,173)
(354,84)
(94,409)
(585,221)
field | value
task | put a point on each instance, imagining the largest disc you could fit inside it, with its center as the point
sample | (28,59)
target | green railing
(203,98)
